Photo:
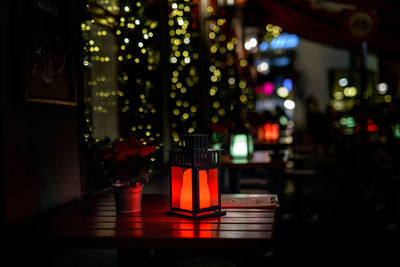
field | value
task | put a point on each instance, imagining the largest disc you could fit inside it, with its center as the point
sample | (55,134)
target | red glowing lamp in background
(195,179)
(371,126)
(269,132)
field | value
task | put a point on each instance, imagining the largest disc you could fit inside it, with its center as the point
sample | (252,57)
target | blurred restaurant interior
(312,84)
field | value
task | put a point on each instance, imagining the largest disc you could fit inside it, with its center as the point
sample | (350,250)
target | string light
(224,70)
(98,92)
(183,19)
(138,64)
(134,95)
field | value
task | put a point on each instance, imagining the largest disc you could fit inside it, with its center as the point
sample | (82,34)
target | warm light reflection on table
(93,223)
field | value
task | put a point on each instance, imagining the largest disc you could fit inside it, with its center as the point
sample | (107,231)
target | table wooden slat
(105,213)
(93,223)
(152,226)
(164,219)
(155,234)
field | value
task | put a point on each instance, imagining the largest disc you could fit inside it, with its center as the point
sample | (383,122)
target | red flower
(145,151)
(108,153)
(133,142)
(122,146)
(129,148)
(132,152)
(129,160)
(120,157)
(108,156)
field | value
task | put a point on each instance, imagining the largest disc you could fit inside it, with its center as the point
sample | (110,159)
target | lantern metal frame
(196,156)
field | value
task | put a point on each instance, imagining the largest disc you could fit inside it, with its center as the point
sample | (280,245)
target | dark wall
(39,141)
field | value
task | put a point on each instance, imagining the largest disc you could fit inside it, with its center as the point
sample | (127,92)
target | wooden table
(93,223)
(262,159)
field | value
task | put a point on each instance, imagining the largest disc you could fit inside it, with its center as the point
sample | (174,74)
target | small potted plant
(128,160)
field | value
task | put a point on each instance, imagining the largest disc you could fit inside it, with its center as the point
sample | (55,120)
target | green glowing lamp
(241,145)
(396,131)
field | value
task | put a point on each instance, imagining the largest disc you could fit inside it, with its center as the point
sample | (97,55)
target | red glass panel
(267,131)
(275,131)
(204,191)
(213,186)
(176,183)
(261,134)
(186,199)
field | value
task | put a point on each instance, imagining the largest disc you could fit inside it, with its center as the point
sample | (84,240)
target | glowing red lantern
(371,126)
(268,132)
(195,179)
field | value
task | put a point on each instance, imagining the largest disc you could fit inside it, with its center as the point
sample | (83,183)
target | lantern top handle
(195,142)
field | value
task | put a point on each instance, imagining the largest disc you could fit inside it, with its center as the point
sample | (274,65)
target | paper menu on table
(249,200)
